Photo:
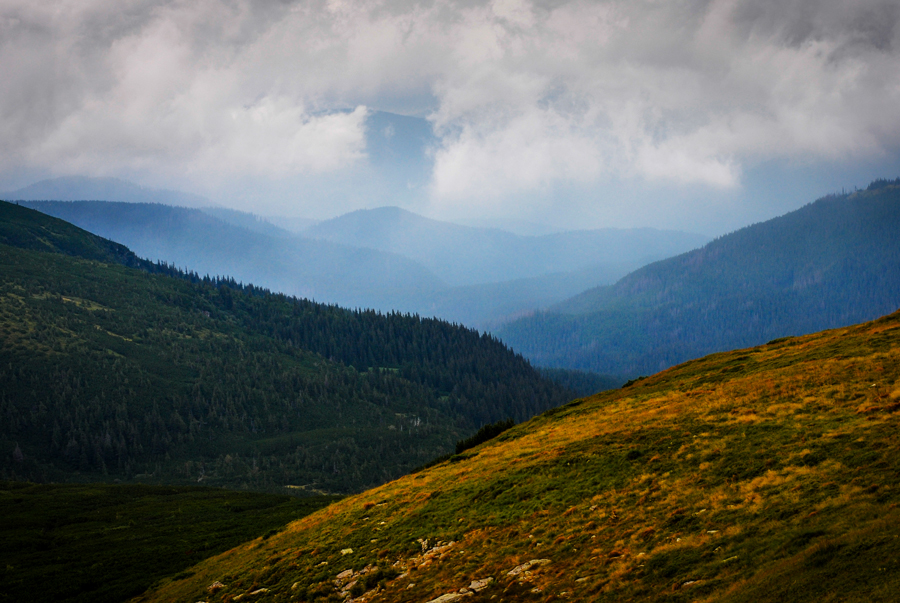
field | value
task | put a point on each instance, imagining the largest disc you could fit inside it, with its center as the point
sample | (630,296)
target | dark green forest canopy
(831,263)
(108,372)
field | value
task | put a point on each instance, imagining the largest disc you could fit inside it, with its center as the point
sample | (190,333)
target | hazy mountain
(831,263)
(384,259)
(109,371)
(489,305)
(82,188)
(464,255)
(249,221)
(765,474)
(195,240)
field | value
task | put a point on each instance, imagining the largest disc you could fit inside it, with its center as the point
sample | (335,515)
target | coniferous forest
(116,368)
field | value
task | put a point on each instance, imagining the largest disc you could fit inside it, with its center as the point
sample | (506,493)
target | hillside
(831,263)
(761,474)
(110,372)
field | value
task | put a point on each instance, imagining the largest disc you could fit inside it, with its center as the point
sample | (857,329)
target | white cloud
(522,94)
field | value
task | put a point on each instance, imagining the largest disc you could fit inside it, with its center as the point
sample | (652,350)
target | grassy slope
(763,474)
(105,543)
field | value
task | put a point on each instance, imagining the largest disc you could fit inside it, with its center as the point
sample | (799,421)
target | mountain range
(831,263)
(386,259)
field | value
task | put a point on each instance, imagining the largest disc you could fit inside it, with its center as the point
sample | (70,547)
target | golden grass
(709,481)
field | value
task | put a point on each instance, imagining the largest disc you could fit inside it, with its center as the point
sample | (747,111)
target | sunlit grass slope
(763,474)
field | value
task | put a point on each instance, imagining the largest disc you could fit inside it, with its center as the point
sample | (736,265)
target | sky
(701,115)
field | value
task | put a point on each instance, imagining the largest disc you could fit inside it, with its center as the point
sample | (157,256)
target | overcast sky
(682,113)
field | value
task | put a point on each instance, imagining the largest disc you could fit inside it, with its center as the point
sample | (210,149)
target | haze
(693,115)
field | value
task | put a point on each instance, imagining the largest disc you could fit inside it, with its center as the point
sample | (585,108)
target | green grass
(106,543)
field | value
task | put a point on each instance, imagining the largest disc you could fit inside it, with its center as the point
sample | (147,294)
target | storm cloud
(523,96)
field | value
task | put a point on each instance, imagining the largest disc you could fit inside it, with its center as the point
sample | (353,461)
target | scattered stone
(450,597)
(537,590)
(295,585)
(581,580)
(344,574)
(480,585)
(411,585)
(527,566)
(323,563)
(215,587)
(346,551)
(259,591)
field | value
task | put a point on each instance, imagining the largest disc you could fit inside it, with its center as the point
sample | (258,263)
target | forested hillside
(111,372)
(831,263)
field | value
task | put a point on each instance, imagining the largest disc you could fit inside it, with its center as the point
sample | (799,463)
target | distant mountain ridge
(196,240)
(831,263)
(386,259)
(82,188)
(466,255)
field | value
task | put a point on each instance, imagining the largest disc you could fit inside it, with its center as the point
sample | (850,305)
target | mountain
(249,221)
(763,474)
(321,270)
(833,262)
(349,268)
(490,305)
(79,188)
(464,255)
(113,367)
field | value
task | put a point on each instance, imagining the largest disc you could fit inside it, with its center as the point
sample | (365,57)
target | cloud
(522,94)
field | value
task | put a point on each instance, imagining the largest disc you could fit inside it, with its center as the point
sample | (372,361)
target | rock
(480,585)
(346,551)
(259,591)
(450,597)
(527,566)
(215,587)
(344,574)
